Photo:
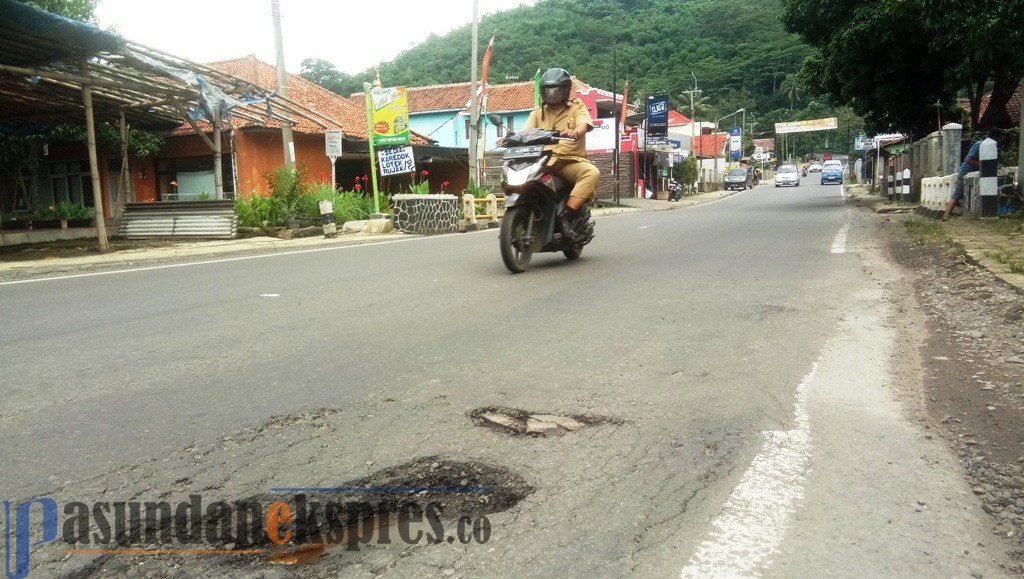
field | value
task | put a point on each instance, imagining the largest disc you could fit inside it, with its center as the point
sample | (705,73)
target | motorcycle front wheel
(515,248)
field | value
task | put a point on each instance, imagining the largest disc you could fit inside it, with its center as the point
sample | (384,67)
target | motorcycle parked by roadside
(675,190)
(533,199)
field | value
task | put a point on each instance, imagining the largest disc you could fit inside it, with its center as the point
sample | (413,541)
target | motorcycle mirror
(495,120)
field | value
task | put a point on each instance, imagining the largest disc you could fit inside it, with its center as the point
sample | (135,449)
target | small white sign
(333,141)
(735,143)
(396,161)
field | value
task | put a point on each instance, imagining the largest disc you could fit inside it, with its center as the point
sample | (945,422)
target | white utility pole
(693,122)
(282,87)
(474,107)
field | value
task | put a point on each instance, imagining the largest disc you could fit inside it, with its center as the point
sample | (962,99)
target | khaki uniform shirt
(564,119)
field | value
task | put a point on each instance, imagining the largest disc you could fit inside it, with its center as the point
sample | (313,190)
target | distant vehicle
(787,175)
(832,172)
(814,168)
(739,178)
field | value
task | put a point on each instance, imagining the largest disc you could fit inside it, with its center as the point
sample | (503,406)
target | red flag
(487,64)
(625,109)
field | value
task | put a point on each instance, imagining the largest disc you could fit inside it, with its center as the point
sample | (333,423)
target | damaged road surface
(729,390)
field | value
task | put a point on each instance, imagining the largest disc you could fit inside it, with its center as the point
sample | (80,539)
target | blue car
(832,172)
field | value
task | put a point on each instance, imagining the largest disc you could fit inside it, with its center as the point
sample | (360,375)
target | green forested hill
(738,50)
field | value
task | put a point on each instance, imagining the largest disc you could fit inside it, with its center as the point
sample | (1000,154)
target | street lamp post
(714,137)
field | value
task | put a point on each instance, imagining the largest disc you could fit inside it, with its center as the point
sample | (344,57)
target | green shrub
(258,211)
(477,191)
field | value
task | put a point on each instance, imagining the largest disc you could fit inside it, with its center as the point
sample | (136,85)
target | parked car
(739,178)
(832,172)
(814,168)
(787,175)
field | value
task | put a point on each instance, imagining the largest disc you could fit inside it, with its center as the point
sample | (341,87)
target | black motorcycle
(675,190)
(533,199)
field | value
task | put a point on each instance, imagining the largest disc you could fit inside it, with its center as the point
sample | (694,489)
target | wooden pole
(94,166)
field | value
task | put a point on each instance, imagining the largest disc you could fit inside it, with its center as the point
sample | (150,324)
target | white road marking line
(270,295)
(643,227)
(839,243)
(754,519)
(222,260)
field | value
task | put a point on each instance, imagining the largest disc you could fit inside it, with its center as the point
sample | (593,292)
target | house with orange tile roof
(442,113)
(257,148)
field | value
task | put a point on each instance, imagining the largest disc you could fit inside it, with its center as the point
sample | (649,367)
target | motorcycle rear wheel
(515,251)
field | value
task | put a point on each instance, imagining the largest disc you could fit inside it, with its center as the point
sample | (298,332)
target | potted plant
(73,214)
(45,218)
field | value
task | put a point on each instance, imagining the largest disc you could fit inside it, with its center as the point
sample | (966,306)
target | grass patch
(1007,225)
(1004,256)
(926,232)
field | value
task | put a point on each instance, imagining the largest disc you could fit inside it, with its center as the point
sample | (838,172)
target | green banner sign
(390,116)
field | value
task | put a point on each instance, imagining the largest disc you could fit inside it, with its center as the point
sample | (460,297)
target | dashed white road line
(754,520)
(839,243)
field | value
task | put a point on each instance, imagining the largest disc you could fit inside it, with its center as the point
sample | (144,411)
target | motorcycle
(675,190)
(533,199)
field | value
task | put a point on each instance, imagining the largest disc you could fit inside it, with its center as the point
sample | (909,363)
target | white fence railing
(936,191)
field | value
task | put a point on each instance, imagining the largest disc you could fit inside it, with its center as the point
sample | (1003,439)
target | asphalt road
(752,415)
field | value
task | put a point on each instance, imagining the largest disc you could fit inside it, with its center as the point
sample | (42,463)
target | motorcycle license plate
(523,152)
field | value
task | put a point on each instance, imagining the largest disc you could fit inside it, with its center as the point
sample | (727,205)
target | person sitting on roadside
(970,164)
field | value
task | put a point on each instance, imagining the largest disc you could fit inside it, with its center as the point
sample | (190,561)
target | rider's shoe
(565,224)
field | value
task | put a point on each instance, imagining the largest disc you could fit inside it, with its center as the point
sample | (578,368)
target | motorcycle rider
(561,112)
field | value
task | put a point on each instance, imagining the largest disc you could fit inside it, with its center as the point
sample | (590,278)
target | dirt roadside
(970,341)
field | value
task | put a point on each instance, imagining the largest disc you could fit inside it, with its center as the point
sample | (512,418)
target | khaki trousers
(583,174)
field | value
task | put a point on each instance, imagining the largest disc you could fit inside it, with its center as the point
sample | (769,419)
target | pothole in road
(428,501)
(521,422)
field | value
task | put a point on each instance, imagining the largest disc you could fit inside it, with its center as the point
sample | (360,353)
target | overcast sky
(352,34)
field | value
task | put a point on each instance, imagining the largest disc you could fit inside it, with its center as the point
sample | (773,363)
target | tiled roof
(1012,107)
(765,144)
(352,116)
(676,118)
(518,96)
(709,145)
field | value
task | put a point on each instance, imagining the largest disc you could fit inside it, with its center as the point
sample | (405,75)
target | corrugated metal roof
(45,60)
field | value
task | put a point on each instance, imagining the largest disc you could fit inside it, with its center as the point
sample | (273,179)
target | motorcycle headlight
(516,177)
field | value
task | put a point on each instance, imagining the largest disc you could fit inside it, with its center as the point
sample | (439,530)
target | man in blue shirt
(971,163)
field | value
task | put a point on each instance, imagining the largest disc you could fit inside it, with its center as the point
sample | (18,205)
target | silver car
(787,175)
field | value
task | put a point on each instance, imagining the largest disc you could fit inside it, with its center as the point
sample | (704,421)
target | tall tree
(83,10)
(892,59)
(988,37)
(792,89)
(324,73)
(885,66)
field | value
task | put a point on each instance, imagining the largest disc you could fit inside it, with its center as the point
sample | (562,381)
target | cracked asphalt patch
(578,493)
(515,421)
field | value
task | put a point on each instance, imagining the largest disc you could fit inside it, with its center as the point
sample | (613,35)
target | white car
(787,175)
(814,168)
